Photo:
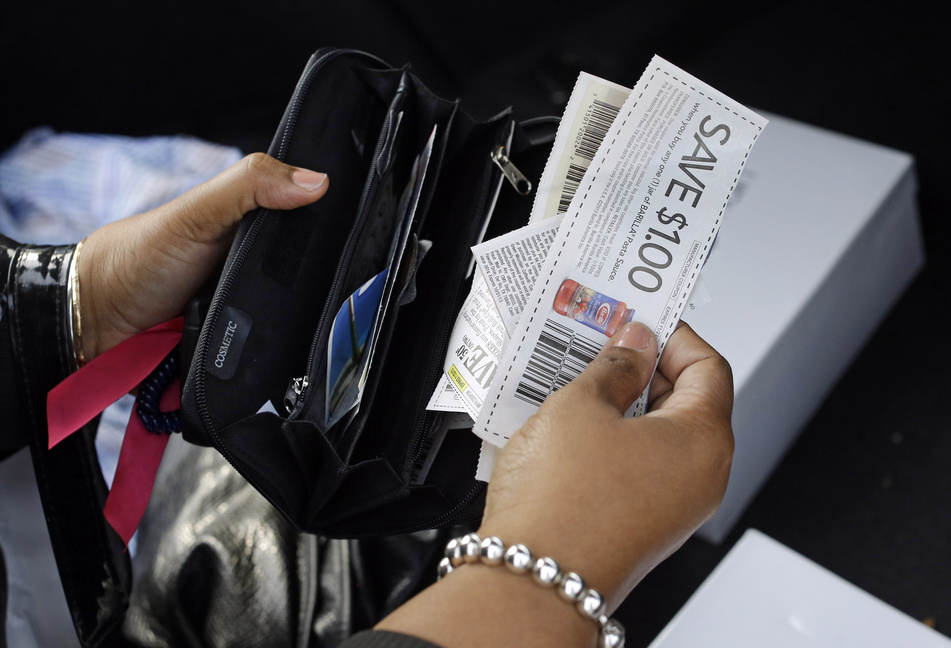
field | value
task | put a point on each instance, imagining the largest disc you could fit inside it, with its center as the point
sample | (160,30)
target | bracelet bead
(518,558)
(592,604)
(471,547)
(454,552)
(546,572)
(493,551)
(444,568)
(572,587)
(611,635)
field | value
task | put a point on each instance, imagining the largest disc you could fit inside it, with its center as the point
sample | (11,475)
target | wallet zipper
(240,256)
(304,87)
(515,177)
(524,186)
(297,389)
(451,514)
(428,417)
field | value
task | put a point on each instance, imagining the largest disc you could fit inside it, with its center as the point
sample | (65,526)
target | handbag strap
(93,565)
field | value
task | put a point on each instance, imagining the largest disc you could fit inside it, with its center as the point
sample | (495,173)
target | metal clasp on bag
(293,394)
(517,179)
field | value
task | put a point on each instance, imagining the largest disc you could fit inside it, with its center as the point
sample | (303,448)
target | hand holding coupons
(638,227)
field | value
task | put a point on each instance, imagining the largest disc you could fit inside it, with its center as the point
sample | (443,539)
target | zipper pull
(295,390)
(518,180)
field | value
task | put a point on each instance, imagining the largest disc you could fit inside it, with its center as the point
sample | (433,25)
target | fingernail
(633,335)
(309,180)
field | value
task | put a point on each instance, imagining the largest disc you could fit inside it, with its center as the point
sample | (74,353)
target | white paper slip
(633,240)
(700,294)
(475,347)
(591,109)
(510,264)
(486,465)
(445,398)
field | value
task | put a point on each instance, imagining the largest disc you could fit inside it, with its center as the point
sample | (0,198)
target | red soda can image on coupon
(592,308)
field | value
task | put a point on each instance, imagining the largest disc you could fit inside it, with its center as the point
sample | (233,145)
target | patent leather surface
(95,572)
(12,429)
(217,565)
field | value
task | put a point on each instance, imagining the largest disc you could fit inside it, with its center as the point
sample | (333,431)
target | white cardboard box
(819,240)
(763,594)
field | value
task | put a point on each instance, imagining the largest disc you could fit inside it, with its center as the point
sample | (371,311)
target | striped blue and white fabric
(58,187)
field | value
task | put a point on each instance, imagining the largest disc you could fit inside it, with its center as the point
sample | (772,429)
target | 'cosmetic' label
(227,341)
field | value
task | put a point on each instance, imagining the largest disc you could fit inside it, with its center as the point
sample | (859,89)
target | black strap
(12,431)
(93,565)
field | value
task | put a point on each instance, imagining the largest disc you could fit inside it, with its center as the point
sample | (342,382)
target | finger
(660,388)
(699,375)
(619,373)
(210,210)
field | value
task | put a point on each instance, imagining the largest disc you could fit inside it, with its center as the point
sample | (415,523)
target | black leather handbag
(414,182)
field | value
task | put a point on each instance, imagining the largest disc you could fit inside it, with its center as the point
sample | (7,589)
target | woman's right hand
(606,496)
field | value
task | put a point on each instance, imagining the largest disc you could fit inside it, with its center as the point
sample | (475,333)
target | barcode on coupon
(558,357)
(595,128)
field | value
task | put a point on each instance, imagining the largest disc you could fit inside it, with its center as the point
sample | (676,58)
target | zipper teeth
(450,515)
(305,88)
(331,295)
(427,416)
(446,329)
(212,321)
(215,309)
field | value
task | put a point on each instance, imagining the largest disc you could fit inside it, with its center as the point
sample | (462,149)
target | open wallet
(326,335)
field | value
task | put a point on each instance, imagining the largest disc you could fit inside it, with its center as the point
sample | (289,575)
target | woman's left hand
(140,271)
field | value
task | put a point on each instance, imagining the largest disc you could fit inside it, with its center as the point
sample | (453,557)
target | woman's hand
(142,270)
(606,496)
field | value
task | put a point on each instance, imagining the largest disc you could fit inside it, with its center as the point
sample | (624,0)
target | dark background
(866,489)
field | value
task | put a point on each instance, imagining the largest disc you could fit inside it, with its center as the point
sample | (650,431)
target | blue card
(351,336)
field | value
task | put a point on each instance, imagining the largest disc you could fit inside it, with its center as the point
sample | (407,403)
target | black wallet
(354,298)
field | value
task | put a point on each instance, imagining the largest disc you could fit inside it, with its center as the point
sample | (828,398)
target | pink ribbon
(97,385)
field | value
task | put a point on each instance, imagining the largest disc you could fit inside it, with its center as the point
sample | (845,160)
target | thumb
(209,211)
(619,373)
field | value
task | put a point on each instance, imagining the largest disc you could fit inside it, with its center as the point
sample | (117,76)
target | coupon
(633,239)
(591,109)
(445,398)
(510,265)
(475,348)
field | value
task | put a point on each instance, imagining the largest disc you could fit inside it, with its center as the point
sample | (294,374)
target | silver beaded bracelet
(518,558)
